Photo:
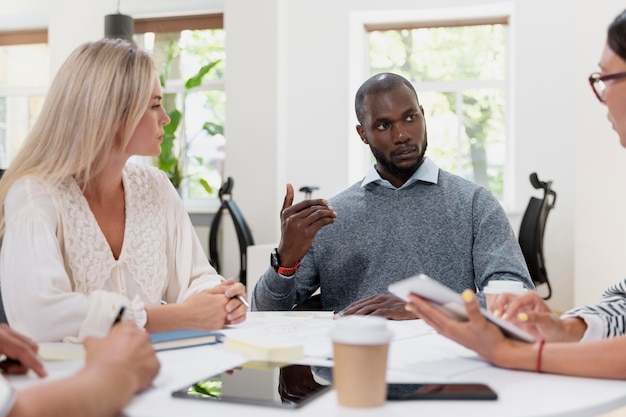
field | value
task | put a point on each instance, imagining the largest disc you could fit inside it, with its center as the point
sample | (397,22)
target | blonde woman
(84,231)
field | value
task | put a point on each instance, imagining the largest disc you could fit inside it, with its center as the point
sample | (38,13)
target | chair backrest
(244,235)
(532,231)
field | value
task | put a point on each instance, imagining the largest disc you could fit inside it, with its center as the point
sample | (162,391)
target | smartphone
(441,391)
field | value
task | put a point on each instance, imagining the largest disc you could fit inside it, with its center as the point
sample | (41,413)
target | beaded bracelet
(539,351)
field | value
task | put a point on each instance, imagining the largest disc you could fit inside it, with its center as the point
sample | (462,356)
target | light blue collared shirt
(427,172)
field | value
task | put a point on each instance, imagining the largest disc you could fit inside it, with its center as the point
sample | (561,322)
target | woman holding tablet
(609,86)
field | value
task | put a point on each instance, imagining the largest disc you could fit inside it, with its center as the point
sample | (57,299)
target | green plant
(173,154)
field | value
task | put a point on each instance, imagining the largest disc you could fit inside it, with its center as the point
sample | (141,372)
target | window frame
(361,22)
(457,88)
(178,24)
(19,38)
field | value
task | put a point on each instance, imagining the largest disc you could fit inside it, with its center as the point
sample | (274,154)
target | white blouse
(59,278)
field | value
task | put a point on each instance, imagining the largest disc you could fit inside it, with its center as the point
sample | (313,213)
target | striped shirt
(607,318)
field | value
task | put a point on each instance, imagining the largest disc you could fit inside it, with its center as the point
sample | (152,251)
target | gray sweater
(454,231)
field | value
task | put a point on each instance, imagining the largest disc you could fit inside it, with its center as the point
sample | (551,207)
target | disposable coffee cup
(360,348)
(502,287)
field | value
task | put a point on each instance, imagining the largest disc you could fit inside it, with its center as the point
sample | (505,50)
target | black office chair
(244,235)
(308,191)
(532,230)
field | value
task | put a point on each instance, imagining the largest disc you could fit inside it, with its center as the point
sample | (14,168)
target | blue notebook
(177,339)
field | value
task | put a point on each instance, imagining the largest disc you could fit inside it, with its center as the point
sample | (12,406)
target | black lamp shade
(119,26)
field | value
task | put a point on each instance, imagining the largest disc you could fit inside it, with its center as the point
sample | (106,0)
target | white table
(416,355)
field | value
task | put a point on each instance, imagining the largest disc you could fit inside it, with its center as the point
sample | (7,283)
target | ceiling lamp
(119,26)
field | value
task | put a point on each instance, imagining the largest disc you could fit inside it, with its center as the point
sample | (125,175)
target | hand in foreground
(384,305)
(298,225)
(530,313)
(127,353)
(235,310)
(477,333)
(20,352)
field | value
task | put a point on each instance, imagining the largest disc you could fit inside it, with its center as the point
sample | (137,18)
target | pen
(118,318)
(239,297)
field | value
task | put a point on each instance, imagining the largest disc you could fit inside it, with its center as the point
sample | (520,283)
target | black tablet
(255,383)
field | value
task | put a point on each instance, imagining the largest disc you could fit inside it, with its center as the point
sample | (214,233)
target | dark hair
(616,37)
(379,83)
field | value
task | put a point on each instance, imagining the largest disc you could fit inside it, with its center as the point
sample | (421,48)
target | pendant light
(119,26)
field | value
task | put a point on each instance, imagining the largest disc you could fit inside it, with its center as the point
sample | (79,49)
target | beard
(395,169)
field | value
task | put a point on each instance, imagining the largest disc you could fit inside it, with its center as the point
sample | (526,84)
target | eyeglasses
(598,82)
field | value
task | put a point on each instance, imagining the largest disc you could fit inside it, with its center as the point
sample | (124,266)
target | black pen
(118,318)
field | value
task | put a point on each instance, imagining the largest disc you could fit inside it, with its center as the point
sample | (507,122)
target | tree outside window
(191,63)
(459,73)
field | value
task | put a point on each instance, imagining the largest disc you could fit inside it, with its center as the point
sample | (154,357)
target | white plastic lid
(361,330)
(505,286)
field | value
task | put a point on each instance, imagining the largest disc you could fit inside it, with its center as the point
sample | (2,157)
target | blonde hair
(97,97)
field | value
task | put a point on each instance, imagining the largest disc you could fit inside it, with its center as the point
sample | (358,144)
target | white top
(59,277)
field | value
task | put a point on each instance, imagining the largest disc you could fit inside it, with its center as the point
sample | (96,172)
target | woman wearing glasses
(595,324)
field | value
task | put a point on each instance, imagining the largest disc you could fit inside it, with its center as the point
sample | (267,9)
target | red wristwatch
(275,262)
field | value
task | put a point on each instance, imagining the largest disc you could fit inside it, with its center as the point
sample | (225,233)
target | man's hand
(298,225)
(384,305)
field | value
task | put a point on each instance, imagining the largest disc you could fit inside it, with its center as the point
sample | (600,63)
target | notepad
(60,351)
(177,339)
(265,350)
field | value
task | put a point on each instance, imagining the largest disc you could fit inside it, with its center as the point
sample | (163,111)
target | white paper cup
(360,348)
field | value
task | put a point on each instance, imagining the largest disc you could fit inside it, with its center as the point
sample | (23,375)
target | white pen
(239,297)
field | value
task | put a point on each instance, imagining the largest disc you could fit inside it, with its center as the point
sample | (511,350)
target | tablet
(451,303)
(260,383)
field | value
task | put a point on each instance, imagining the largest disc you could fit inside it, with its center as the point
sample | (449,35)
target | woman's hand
(206,309)
(530,313)
(127,353)
(20,352)
(477,333)
(235,310)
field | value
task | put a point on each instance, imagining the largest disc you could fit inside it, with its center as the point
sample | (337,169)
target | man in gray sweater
(406,217)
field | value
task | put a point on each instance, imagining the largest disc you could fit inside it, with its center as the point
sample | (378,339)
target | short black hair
(379,83)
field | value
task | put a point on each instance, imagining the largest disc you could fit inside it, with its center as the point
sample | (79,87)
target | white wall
(290,87)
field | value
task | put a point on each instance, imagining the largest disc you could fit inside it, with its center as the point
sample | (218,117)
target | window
(459,70)
(23,86)
(190,56)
